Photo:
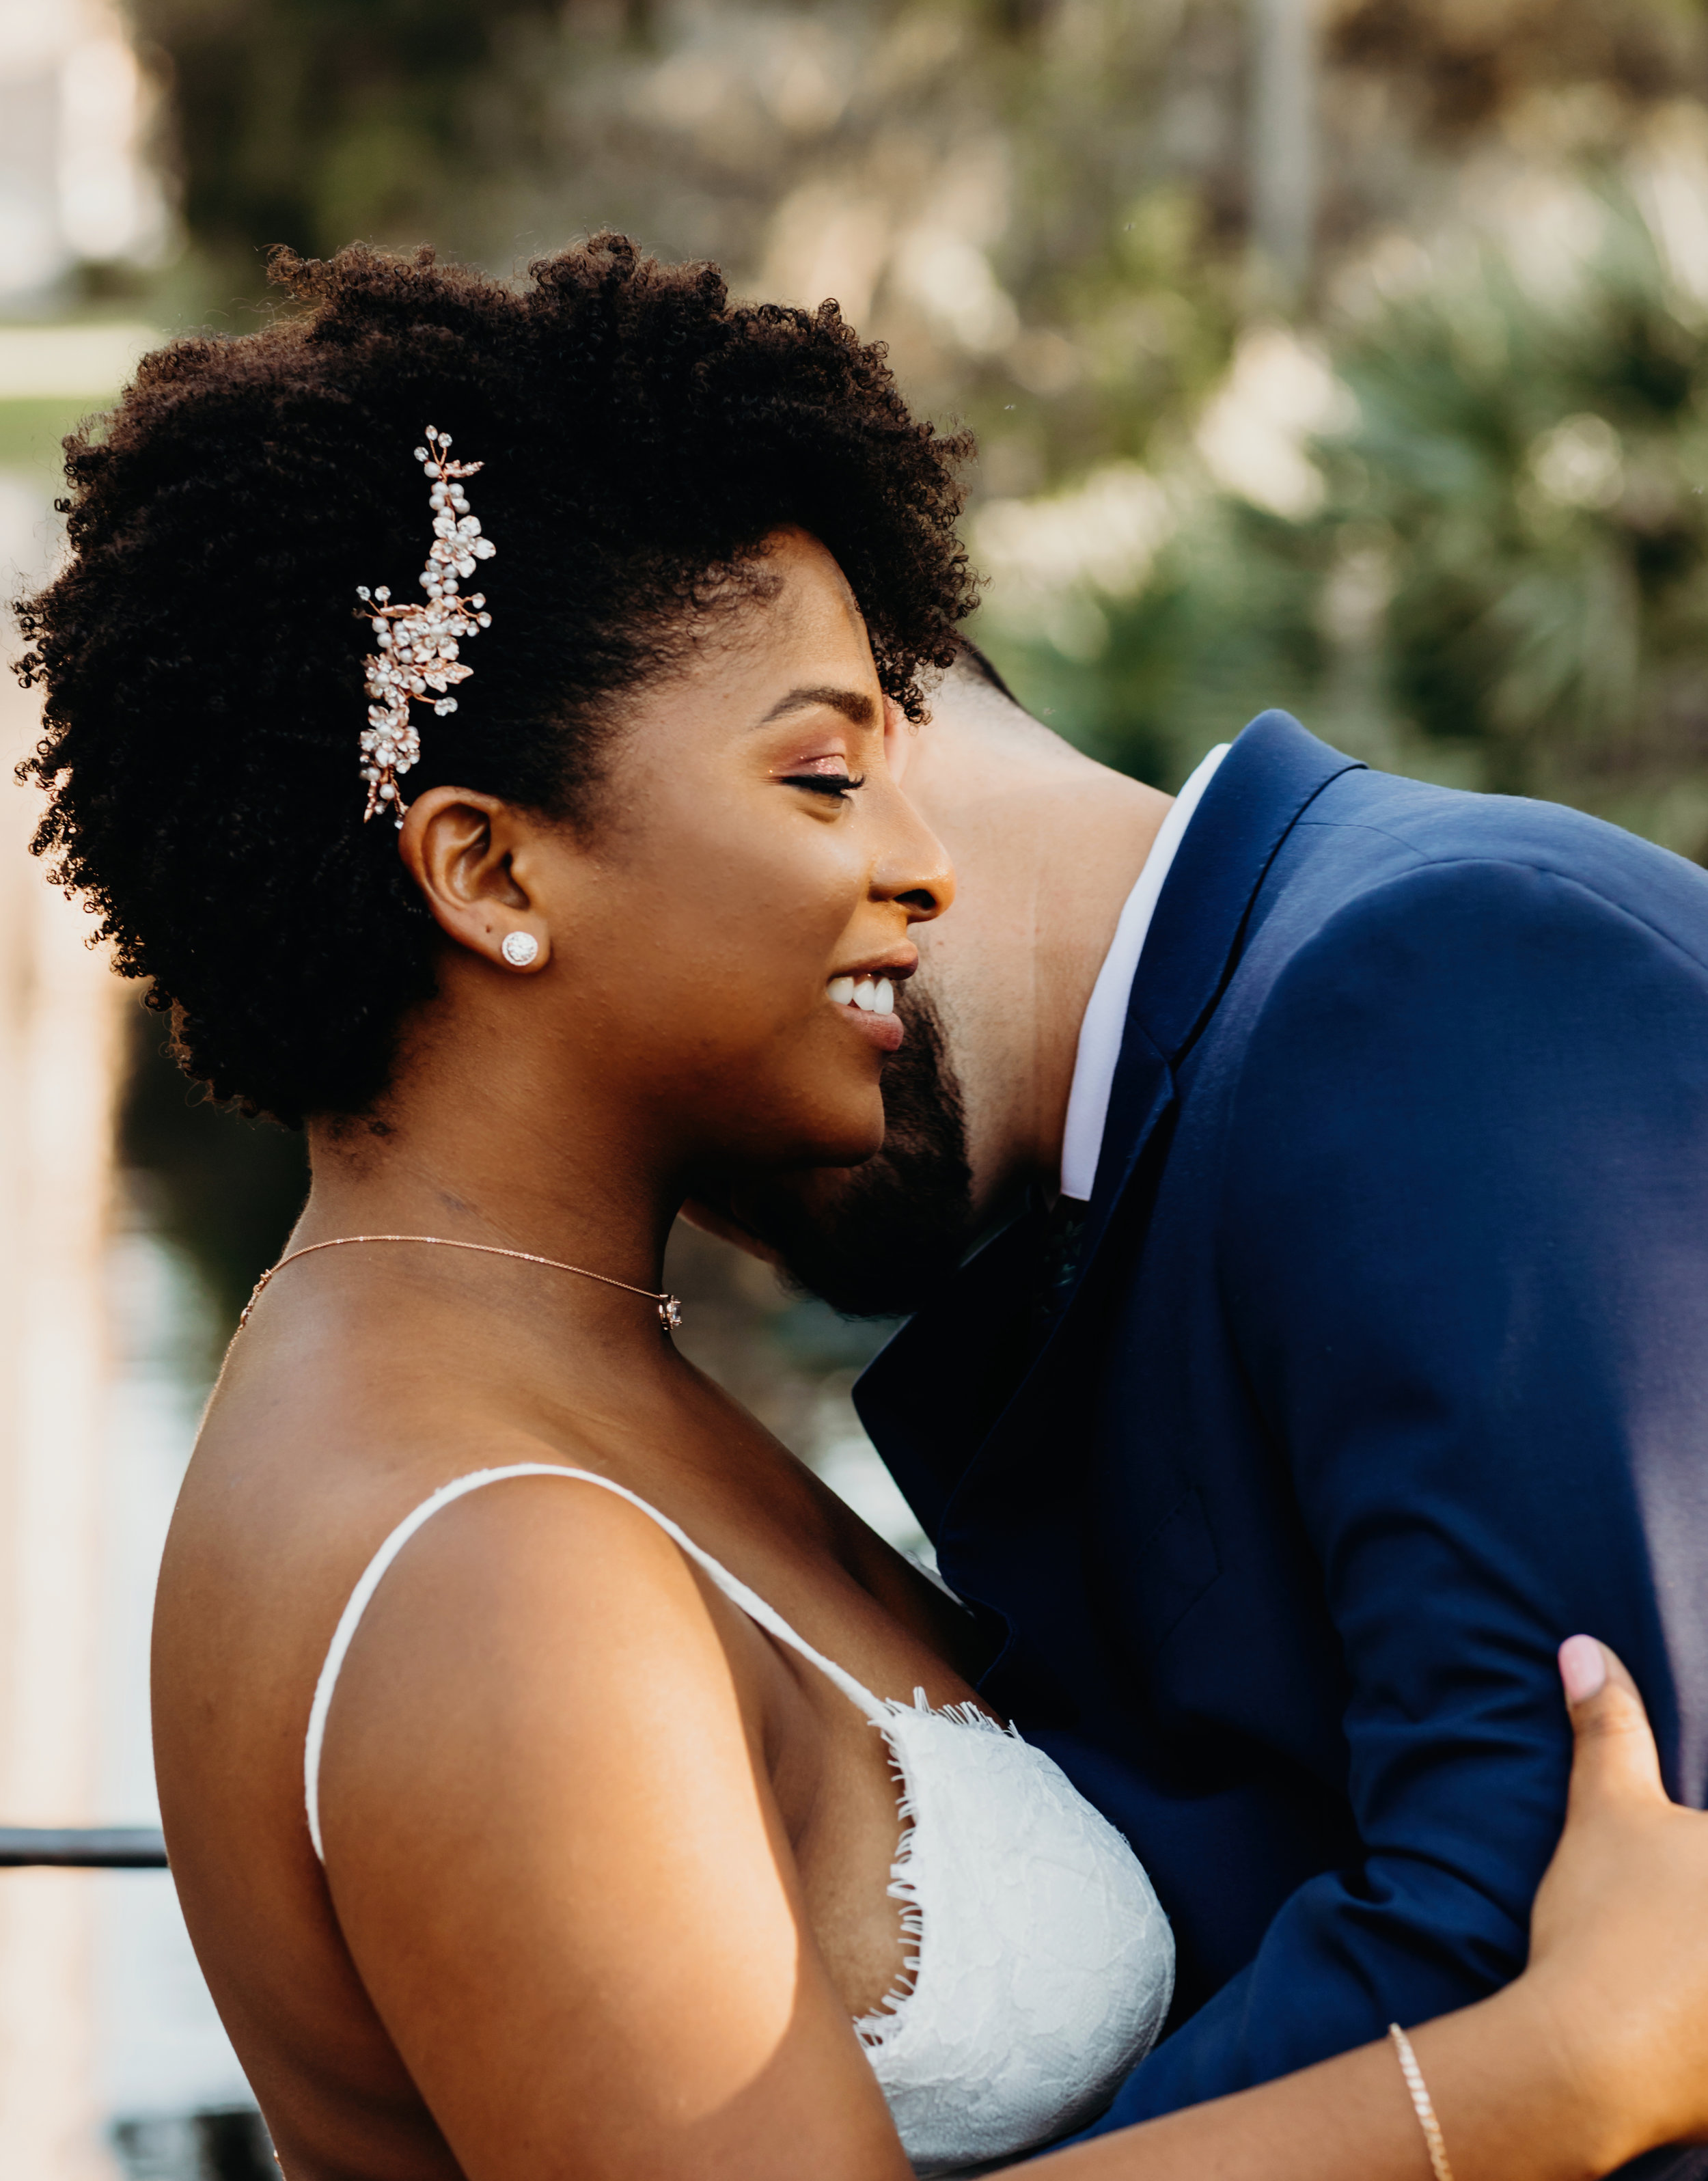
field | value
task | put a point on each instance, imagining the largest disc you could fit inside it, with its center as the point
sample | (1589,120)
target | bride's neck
(505,1158)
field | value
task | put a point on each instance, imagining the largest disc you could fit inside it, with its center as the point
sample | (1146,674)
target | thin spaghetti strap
(737,1592)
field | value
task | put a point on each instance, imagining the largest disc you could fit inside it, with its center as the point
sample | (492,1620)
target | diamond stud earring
(520,948)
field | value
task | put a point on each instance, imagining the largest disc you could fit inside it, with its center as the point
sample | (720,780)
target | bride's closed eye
(834,780)
(839,784)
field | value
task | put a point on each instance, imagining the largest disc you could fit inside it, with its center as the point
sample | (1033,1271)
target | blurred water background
(1346,355)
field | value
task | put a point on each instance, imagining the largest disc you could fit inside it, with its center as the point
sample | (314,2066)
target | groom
(1339,1342)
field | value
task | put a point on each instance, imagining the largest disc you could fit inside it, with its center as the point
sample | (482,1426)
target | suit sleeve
(1463,1230)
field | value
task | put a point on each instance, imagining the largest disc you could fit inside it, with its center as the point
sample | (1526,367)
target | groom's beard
(877,1241)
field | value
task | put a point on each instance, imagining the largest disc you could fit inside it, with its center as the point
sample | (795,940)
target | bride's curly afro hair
(202,657)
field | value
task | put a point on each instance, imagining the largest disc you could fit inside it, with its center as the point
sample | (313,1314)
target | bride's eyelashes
(825,768)
(839,785)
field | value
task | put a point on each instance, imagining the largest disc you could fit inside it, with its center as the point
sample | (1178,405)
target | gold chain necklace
(669,1309)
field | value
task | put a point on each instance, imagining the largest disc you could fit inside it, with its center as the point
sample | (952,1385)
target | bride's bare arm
(554,1856)
(1598,2052)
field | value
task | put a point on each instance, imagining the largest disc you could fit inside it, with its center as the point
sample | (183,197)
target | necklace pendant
(669,1312)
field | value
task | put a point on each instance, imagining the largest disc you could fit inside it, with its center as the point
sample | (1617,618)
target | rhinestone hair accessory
(416,659)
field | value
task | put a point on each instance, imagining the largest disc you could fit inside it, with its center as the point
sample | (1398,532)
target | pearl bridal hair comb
(418,645)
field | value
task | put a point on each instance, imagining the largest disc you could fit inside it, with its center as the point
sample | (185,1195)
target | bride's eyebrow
(854,704)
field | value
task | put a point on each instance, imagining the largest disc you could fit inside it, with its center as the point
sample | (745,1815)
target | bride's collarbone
(742,1495)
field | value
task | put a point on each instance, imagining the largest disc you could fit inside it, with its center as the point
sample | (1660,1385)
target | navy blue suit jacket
(1377,1365)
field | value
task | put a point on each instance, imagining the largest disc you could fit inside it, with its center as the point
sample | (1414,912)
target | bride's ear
(478,863)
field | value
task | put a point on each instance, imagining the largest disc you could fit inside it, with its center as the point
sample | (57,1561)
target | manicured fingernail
(1583,1668)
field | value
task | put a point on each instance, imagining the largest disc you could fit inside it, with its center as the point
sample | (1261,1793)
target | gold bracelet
(1420,2101)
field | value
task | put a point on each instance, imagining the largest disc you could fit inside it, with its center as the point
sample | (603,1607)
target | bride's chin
(811,1153)
(811,1139)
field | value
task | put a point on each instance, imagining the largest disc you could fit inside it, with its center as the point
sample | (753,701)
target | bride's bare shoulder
(298,1478)
(513,1599)
(321,1434)
(274,1529)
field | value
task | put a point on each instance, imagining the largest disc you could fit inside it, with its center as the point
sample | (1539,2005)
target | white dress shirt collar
(1106,1014)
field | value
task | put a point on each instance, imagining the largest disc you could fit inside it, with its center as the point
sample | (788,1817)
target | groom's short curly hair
(203,660)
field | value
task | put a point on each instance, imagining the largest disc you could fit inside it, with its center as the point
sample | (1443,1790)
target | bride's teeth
(866,997)
(841,990)
(883,1001)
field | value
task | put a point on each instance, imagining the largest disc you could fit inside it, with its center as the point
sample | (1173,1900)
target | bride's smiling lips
(865,994)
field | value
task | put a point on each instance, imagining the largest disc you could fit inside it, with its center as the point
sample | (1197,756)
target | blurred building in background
(1346,355)
(101,2014)
(79,187)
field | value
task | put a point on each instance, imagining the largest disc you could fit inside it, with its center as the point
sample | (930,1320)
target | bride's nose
(913,867)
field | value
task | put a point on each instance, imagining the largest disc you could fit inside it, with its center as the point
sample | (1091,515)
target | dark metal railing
(82,1847)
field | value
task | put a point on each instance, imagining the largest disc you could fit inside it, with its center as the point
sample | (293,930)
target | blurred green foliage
(310,122)
(1494,574)
(225,1190)
(1535,467)
(1504,585)
(1453,514)
(32,432)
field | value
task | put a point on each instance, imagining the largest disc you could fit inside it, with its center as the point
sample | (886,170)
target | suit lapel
(947,1393)
(930,1397)
(1261,790)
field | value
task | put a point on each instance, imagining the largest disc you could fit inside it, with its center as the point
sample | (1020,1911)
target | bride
(559,1779)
